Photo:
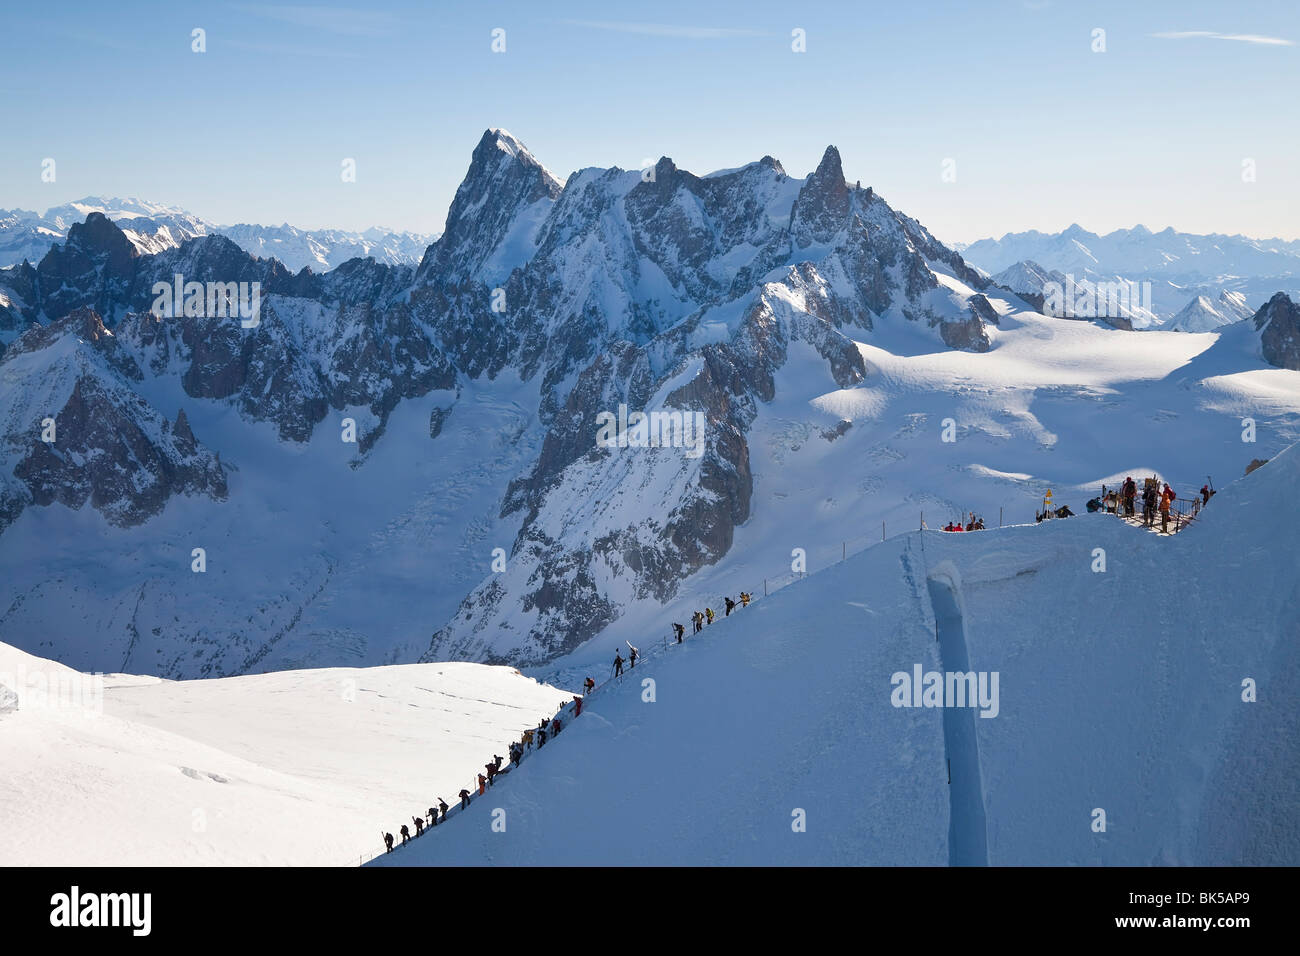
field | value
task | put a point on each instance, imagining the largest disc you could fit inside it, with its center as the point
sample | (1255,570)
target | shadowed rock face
(1278,325)
(94,268)
(110,447)
(601,289)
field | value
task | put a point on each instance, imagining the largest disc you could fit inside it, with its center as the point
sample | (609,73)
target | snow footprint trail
(967,827)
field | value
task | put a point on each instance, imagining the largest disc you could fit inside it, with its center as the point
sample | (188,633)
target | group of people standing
(1156,500)
(973,524)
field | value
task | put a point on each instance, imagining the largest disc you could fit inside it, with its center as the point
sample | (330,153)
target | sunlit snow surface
(291,768)
(1120,690)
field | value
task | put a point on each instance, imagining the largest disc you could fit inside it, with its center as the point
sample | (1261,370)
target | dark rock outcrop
(1278,325)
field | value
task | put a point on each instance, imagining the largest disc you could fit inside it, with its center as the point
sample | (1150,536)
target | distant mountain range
(153,227)
(1180,267)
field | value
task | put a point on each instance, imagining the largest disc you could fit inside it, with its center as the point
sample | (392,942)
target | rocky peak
(93,267)
(1278,325)
(824,202)
(504,180)
(182,432)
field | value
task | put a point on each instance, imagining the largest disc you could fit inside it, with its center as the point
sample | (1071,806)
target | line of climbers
(438,814)
(1155,500)
(551,725)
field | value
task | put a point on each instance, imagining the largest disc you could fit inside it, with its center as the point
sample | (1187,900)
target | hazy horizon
(975,122)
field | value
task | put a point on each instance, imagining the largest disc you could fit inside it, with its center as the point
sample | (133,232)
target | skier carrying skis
(633,655)
(618,664)
(419,825)
(433,816)
(442,805)
(406,834)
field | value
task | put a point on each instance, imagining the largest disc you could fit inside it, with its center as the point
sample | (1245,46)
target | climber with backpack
(406,834)
(618,664)
(419,825)
(679,631)
(388,842)
(730,604)
(464,799)
(708,613)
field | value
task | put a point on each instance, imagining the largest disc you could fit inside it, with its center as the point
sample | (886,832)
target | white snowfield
(1156,696)
(290,768)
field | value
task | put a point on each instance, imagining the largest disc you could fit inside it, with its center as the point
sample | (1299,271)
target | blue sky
(1043,131)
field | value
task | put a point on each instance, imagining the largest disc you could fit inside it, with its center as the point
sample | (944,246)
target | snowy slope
(293,768)
(1130,702)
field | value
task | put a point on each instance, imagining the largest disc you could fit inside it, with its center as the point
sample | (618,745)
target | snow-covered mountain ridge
(828,342)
